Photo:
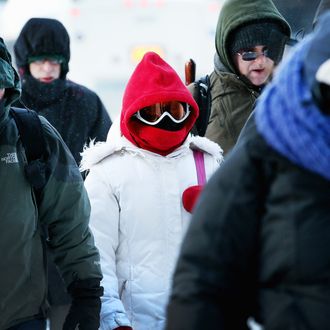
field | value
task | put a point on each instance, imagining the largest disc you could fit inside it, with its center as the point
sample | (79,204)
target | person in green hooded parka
(250,39)
(63,207)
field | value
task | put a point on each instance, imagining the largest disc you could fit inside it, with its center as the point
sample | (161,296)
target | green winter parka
(64,208)
(232,101)
(233,96)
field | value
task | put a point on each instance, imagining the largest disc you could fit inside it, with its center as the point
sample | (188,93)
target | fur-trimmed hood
(116,142)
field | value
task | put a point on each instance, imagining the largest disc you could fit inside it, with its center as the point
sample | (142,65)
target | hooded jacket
(64,208)
(233,96)
(138,217)
(75,111)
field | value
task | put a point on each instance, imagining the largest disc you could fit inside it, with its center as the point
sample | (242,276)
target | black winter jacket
(75,111)
(258,245)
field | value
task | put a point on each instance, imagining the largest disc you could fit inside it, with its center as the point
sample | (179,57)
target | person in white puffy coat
(143,183)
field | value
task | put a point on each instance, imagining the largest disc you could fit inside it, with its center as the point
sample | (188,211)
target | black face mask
(169,125)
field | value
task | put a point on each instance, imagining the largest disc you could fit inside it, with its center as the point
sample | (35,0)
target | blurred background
(109,37)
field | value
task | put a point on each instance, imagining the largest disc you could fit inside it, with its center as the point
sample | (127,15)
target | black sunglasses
(251,55)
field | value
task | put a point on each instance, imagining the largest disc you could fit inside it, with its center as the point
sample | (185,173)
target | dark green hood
(235,13)
(8,79)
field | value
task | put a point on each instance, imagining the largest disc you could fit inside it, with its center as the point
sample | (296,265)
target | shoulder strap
(33,140)
(200,166)
(31,134)
(30,129)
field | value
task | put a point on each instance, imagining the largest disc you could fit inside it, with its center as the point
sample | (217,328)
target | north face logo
(10,158)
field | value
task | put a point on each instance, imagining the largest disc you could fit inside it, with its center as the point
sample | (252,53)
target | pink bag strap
(200,166)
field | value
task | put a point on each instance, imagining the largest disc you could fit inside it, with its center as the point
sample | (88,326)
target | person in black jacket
(259,242)
(42,53)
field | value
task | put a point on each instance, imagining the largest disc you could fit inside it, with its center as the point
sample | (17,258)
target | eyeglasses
(251,55)
(153,114)
(52,61)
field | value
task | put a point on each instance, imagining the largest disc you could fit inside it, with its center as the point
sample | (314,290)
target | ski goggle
(251,55)
(153,114)
(41,60)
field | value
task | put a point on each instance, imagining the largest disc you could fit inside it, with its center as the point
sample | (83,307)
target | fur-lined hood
(116,142)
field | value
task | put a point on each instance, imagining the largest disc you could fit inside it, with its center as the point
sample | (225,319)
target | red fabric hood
(153,81)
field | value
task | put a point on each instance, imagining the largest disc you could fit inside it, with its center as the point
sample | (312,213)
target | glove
(86,305)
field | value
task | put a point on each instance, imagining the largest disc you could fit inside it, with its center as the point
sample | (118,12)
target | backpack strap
(200,166)
(33,140)
(31,133)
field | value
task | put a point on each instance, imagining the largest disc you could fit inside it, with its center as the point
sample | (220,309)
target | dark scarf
(41,94)
(289,120)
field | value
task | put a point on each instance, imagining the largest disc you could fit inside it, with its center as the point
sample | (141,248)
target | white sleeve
(104,224)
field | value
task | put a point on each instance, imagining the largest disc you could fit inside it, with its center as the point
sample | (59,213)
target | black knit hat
(259,33)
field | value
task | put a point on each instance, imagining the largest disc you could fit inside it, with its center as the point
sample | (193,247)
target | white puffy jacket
(138,222)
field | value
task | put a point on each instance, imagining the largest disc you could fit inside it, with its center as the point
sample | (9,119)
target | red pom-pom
(190,197)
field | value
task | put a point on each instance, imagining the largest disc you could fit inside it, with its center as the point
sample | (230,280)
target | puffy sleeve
(104,224)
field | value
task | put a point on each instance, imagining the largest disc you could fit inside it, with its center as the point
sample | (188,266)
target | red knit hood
(153,81)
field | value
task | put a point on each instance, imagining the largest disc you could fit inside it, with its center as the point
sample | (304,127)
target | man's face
(2,93)
(45,70)
(254,64)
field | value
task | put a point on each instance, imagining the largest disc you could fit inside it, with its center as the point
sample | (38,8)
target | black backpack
(31,133)
(203,99)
